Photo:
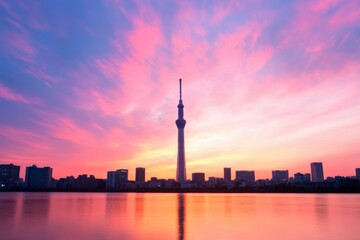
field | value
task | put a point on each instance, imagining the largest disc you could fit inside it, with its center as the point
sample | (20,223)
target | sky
(92,86)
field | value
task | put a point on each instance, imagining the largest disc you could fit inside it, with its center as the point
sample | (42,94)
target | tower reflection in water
(181,216)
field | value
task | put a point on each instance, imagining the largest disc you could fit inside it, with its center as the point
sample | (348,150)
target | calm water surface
(178,216)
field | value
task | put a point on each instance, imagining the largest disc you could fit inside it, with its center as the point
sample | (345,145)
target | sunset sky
(92,86)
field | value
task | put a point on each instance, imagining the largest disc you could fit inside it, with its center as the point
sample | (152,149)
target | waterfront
(178,216)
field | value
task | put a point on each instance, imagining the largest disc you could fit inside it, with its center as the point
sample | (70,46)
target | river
(178,216)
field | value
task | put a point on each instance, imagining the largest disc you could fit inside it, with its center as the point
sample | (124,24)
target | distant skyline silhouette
(88,88)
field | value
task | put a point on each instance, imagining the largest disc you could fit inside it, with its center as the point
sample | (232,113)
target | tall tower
(180,123)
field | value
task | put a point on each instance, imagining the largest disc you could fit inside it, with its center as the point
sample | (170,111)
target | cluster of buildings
(37,178)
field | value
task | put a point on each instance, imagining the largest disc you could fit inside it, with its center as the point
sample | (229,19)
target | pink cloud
(24,148)
(220,11)
(10,95)
(8,8)
(320,6)
(100,149)
(18,134)
(20,46)
(67,130)
(145,38)
(39,73)
(259,58)
(313,25)
(129,73)
(347,15)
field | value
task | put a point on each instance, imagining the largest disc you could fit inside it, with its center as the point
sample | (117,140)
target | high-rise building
(307,177)
(227,174)
(301,178)
(9,175)
(111,180)
(36,177)
(198,177)
(85,182)
(245,176)
(180,123)
(124,175)
(317,173)
(280,176)
(81,181)
(140,175)
(357,170)
(116,178)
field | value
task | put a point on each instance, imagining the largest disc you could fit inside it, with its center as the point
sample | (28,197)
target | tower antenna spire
(180,89)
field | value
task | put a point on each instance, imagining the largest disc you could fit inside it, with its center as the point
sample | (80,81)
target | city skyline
(272,85)
(315,174)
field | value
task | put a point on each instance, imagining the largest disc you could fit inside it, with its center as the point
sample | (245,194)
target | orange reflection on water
(178,216)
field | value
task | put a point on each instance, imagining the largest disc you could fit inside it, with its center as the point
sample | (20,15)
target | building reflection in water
(181,216)
(321,208)
(139,208)
(35,209)
(116,205)
(34,216)
(8,209)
